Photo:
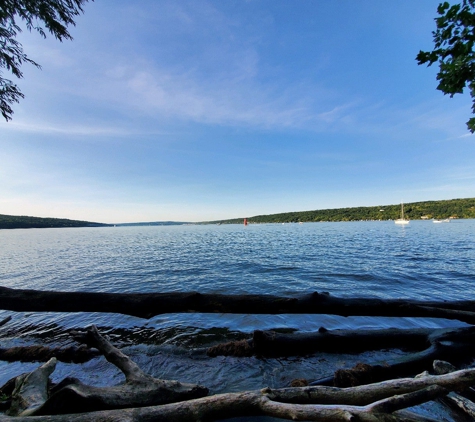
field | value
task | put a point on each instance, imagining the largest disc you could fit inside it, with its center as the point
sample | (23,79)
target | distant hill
(24,222)
(154,223)
(453,208)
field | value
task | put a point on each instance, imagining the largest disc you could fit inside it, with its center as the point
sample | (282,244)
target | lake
(352,259)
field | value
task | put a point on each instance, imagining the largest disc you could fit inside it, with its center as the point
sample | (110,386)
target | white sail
(402,220)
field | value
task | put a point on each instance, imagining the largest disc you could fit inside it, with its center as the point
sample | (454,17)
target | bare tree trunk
(147,305)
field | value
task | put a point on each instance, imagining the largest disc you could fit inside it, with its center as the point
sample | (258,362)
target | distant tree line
(454,208)
(24,222)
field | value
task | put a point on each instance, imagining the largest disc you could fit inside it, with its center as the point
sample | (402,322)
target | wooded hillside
(453,208)
(24,222)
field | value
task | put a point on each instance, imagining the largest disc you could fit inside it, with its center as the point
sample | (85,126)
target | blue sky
(202,110)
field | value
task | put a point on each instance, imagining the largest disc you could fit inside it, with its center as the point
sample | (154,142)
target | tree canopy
(54,16)
(455,208)
(454,39)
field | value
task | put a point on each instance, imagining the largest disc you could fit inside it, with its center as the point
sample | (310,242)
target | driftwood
(42,353)
(274,344)
(143,398)
(436,344)
(147,305)
(454,399)
(455,345)
(31,390)
(139,389)
(374,402)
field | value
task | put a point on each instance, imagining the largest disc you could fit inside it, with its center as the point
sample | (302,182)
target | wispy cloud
(66,129)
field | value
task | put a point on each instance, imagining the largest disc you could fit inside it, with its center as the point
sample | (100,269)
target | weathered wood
(147,305)
(461,403)
(405,366)
(139,389)
(368,403)
(274,344)
(442,344)
(454,400)
(364,394)
(31,390)
(42,353)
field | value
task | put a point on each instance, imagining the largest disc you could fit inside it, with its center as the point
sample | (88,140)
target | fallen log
(274,344)
(42,353)
(139,389)
(448,343)
(453,399)
(368,403)
(147,305)
(248,405)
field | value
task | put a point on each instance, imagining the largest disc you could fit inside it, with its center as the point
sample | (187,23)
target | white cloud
(41,128)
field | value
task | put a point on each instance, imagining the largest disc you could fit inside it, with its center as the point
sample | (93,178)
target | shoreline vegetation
(427,210)
(26,222)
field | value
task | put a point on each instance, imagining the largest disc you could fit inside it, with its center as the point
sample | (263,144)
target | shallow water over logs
(354,259)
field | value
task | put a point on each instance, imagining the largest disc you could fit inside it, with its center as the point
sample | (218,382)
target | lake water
(364,259)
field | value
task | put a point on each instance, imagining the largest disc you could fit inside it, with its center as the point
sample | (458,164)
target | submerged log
(42,353)
(456,345)
(368,403)
(448,343)
(139,389)
(147,305)
(274,344)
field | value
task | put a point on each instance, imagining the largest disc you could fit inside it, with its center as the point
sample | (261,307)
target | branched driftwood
(147,305)
(368,403)
(139,389)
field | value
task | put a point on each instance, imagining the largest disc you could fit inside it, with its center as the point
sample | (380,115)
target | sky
(204,110)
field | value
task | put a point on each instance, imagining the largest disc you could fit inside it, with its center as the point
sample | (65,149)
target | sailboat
(402,220)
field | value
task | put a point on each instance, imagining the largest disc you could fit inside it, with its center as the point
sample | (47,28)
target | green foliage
(453,48)
(455,208)
(23,222)
(56,15)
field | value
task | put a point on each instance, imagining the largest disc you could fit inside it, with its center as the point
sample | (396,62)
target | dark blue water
(371,259)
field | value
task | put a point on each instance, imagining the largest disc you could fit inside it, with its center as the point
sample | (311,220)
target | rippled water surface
(371,259)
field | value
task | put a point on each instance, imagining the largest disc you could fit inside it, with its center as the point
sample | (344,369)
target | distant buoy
(245,221)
